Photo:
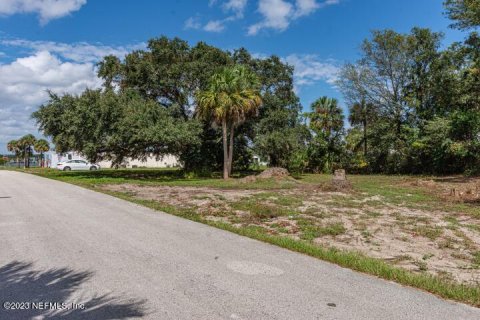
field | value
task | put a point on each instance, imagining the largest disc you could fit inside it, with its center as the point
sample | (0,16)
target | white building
(167,161)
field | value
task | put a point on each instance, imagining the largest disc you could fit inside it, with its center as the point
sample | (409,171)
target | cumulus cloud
(23,87)
(235,6)
(59,67)
(46,9)
(309,68)
(278,14)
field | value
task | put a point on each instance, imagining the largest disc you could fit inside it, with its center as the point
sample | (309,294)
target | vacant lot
(422,224)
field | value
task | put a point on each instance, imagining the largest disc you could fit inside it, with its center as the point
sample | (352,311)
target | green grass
(429,232)
(261,210)
(476,258)
(311,231)
(160,177)
(394,189)
(371,185)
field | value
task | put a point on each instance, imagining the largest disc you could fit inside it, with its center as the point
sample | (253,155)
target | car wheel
(67,169)
(93,168)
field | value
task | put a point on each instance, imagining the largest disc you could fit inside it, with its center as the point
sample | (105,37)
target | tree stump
(340,182)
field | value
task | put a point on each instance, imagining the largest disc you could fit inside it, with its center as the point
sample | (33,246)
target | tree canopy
(465,13)
(413,107)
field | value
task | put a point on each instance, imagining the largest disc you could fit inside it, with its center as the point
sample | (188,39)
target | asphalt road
(79,254)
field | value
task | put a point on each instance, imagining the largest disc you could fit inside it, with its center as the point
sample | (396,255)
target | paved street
(105,258)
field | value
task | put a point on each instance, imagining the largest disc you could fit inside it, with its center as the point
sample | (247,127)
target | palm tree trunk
(230,151)
(25,158)
(365,137)
(225,149)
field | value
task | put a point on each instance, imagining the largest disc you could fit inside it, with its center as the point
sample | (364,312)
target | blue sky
(54,44)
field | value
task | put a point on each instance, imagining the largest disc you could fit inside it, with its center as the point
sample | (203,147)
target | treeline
(23,149)
(148,105)
(413,108)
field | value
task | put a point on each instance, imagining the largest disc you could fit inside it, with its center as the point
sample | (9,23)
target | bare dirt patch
(205,200)
(270,173)
(431,240)
(453,188)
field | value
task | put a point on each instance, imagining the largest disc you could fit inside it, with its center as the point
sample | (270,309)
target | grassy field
(400,228)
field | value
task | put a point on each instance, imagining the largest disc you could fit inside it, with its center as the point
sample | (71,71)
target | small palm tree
(41,146)
(231,97)
(26,143)
(13,146)
(326,116)
(326,120)
(360,115)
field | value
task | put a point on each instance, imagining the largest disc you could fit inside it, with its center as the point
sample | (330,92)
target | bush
(298,162)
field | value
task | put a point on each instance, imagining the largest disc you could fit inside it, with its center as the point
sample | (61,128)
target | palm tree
(26,143)
(360,115)
(13,146)
(326,119)
(231,97)
(41,146)
(326,116)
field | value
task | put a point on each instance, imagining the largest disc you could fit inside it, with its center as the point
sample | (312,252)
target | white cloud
(60,67)
(309,68)
(278,14)
(214,26)
(46,9)
(78,52)
(233,8)
(23,87)
(305,7)
(193,23)
(26,79)
(236,6)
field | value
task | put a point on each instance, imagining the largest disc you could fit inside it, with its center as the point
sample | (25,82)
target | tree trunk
(230,151)
(225,149)
(365,137)
(25,156)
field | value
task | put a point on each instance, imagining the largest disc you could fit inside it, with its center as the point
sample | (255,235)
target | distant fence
(20,164)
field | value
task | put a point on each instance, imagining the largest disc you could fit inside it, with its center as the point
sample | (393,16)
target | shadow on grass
(129,174)
(138,174)
(20,282)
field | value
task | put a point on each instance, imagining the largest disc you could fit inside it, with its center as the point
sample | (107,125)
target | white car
(77,165)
